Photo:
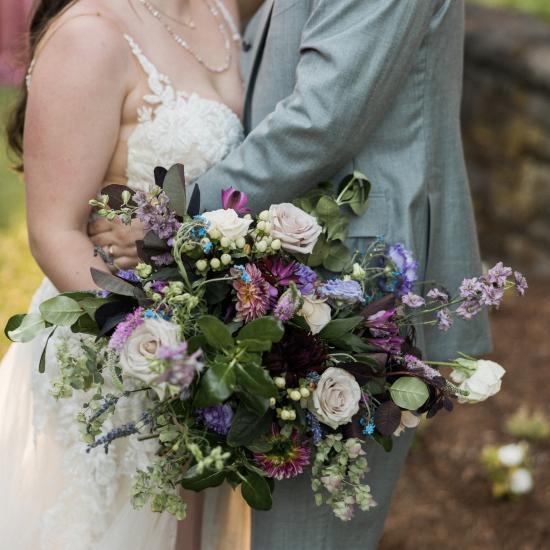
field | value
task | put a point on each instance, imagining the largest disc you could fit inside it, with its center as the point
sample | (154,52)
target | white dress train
(55,495)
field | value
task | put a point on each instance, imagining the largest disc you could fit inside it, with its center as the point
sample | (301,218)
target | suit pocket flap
(375,221)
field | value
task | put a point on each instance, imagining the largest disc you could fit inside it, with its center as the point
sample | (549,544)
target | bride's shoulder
(85,35)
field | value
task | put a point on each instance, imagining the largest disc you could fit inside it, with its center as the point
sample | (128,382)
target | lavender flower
(305,278)
(445,320)
(217,418)
(498,275)
(415,365)
(404,278)
(156,214)
(491,295)
(438,295)
(125,328)
(339,290)
(468,309)
(412,300)
(470,289)
(521,283)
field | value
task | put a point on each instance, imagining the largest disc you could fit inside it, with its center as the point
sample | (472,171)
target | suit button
(247,46)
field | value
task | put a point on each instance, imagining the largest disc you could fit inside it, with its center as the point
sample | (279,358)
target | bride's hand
(117,240)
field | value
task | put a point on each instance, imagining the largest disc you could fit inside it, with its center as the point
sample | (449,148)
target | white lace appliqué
(176,127)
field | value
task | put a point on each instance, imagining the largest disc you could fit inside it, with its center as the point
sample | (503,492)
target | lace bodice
(176,127)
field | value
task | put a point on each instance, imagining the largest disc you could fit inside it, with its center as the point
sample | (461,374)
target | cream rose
(228,223)
(143,344)
(316,312)
(296,229)
(336,399)
(481,379)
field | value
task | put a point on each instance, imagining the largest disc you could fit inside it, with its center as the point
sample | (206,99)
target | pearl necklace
(185,45)
(189,23)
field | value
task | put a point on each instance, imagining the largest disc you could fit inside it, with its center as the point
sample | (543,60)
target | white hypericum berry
(225,242)
(215,263)
(280,382)
(202,265)
(240,242)
(276,244)
(305,393)
(285,415)
(260,226)
(261,246)
(264,215)
(226,259)
(295,395)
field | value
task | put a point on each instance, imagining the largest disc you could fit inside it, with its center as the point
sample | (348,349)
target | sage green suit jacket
(370,85)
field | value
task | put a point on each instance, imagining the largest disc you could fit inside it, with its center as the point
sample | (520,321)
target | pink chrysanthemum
(253,297)
(287,457)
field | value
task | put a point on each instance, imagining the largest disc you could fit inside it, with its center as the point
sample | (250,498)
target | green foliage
(529,425)
(247,427)
(539,8)
(174,187)
(256,491)
(60,310)
(409,393)
(216,385)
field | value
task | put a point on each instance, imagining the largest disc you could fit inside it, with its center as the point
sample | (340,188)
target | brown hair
(44,12)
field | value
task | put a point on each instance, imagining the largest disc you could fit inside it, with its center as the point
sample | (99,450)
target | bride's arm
(72,126)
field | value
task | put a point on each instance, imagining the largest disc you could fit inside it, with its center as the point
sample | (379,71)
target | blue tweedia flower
(150,314)
(313,377)
(245,277)
(315,427)
(207,247)
(368,427)
(349,292)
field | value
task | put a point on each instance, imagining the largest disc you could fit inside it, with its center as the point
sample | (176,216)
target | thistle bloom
(217,418)
(231,198)
(338,290)
(287,457)
(253,294)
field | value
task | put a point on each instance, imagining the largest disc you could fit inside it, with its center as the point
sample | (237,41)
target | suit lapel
(256,55)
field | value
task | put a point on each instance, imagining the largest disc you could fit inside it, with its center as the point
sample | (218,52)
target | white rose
(316,312)
(296,229)
(336,399)
(228,223)
(408,420)
(142,345)
(521,481)
(512,455)
(481,378)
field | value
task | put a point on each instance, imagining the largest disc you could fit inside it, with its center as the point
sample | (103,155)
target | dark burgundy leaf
(109,315)
(114,192)
(160,174)
(387,418)
(385,303)
(195,202)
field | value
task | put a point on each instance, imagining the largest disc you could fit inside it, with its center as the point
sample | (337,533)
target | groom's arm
(355,55)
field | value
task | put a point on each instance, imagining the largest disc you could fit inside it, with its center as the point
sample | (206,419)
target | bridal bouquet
(261,347)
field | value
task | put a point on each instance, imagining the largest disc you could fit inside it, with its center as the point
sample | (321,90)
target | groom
(372,85)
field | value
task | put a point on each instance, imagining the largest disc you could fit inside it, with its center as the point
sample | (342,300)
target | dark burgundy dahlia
(297,354)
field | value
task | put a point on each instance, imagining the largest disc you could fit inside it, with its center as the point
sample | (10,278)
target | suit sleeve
(354,56)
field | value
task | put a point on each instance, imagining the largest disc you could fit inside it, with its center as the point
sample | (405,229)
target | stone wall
(506,121)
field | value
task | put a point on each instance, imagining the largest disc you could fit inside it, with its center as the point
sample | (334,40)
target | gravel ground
(443,498)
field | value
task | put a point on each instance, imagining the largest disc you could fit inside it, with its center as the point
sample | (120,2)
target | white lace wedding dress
(56,496)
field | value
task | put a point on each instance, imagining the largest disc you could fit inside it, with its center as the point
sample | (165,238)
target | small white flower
(228,223)
(354,448)
(316,312)
(481,378)
(521,481)
(297,230)
(336,399)
(142,345)
(512,455)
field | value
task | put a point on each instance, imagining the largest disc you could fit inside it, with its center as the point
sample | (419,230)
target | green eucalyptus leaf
(113,284)
(247,427)
(255,379)
(320,252)
(327,208)
(337,230)
(13,323)
(256,491)
(264,328)
(195,481)
(338,258)
(61,311)
(409,393)
(42,362)
(216,385)
(337,328)
(216,333)
(85,325)
(174,187)
(91,304)
(29,327)
(354,191)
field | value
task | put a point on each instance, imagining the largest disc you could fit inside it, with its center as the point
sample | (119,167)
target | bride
(115,88)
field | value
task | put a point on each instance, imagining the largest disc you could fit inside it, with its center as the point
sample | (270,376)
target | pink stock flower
(231,198)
